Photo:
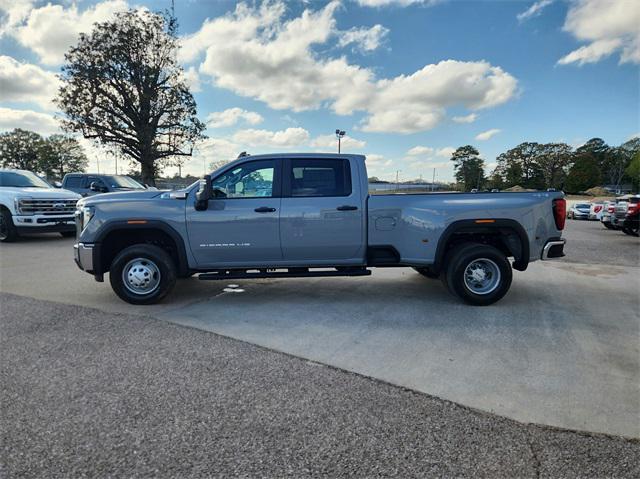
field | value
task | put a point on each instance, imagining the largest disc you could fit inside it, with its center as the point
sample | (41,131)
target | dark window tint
(73,182)
(320,178)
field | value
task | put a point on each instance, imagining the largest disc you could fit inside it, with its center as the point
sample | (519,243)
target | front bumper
(26,224)
(83,256)
(553,249)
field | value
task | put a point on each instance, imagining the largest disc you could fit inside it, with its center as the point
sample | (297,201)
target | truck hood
(48,193)
(121,196)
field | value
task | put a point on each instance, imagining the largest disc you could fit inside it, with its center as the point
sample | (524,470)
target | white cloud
(232,116)
(330,142)
(420,150)
(534,10)
(607,26)
(28,120)
(12,13)
(365,39)
(470,118)
(193,79)
(445,152)
(23,82)
(486,135)
(50,30)
(282,138)
(257,53)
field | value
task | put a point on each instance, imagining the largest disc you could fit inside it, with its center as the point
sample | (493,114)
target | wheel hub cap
(482,276)
(141,276)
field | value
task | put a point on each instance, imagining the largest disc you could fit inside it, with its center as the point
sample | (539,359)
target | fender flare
(182,267)
(520,262)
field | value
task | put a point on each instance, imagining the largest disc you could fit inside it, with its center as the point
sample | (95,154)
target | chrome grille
(28,206)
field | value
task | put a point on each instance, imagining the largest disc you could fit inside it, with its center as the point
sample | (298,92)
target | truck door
(322,213)
(240,226)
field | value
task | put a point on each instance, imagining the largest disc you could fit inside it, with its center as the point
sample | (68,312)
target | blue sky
(408,80)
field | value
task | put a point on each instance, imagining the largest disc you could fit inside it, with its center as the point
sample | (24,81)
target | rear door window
(319,177)
(73,182)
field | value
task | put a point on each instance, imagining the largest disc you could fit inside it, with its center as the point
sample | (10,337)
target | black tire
(139,260)
(427,272)
(491,264)
(8,231)
(608,226)
(68,234)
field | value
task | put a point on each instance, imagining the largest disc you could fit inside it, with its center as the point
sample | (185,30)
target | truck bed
(413,223)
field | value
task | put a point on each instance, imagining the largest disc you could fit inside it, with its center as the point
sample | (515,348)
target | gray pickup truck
(311,215)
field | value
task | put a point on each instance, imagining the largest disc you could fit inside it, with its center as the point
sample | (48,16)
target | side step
(289,273)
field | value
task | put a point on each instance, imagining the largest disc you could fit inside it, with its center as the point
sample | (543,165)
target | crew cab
(88,184)
(301,215)
(28,204)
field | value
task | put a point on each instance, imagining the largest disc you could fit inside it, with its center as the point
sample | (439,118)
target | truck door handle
(347,208)
(264,209)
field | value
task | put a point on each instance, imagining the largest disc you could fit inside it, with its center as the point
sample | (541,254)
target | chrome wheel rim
(141,276)
(482,276)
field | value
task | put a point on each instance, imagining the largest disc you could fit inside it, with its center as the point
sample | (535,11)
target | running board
(290,273)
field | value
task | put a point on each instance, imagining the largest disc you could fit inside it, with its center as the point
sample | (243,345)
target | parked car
(596,210)
(310,215)
(619,212)
(626,214)
(87,184)
(28,204)
(608,210)
(579,211)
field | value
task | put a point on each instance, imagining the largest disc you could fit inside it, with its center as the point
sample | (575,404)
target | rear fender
(509,233)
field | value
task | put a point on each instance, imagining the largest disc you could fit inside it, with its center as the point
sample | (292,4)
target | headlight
(18,205)
(87,213)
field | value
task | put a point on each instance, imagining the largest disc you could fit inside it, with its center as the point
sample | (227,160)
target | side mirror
(94,187)
(57,184)
(203,194)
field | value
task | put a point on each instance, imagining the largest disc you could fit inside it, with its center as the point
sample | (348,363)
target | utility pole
(339,135)
(433,181)
(397,179)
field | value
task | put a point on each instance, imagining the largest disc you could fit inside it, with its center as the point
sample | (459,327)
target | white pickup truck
(28,204)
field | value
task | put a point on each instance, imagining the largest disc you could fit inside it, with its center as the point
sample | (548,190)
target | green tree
(554,160)
(21,149)
(469,167)
(584,174)
(633,171)
(60,155)
(519,165)
(123,86)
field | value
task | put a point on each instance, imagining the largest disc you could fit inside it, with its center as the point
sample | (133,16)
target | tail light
(632,208)
(597,209)
(611,208)
(560,212)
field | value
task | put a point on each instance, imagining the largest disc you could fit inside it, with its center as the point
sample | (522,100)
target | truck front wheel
(142,274)
(478,274)
(8,231)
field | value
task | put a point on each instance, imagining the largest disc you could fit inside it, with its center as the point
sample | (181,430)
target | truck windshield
(123,182)
(21,179)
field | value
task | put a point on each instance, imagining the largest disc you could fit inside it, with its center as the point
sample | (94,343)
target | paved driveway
(562,348)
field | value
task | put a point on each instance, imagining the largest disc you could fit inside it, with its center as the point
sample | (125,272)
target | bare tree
(122,86)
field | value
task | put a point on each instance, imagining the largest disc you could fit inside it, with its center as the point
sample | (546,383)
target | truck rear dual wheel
(142,274)
(478,274)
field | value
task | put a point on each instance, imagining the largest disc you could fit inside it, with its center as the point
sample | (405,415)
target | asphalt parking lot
(87,393)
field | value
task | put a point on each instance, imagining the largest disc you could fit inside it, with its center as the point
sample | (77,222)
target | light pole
(339,135)
(397,179)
